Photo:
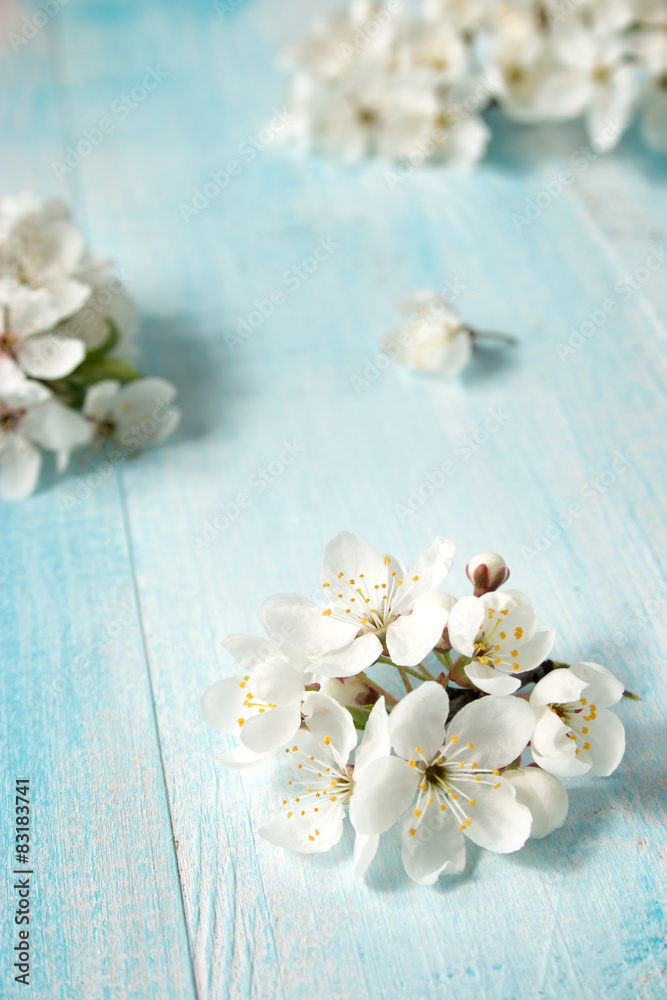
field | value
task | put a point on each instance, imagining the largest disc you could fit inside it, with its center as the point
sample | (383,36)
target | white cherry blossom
(497,632)
(598,79)
(574,732)
(312,819)
(39,243)
(447,783)
(543,794)
(27,318)
(433,339)
(262,706)
(31,419)
(138,414)
(373,603)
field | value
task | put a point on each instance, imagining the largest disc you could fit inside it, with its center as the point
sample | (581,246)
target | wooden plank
(76,709)
(580,912)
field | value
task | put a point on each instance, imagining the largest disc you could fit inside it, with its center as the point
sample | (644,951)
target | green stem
(445,659)
(506,338)
(415,673)
(404,677)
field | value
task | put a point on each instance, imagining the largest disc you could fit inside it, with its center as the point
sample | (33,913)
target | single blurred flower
(433,339)
(137,415)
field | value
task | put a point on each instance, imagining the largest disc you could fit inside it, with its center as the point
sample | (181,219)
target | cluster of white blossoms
(408,82)
(446,760)
(66,331)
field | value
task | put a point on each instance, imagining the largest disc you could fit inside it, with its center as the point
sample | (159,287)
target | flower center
(369,604)
(449,781)
(8,342)
(575,715)
(10,419)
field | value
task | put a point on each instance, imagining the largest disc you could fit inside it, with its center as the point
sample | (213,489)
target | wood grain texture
(579,914)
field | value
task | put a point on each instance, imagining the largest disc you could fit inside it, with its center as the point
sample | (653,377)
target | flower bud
(350,691)
(487,572)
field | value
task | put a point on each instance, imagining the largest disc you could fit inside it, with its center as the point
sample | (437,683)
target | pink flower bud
(487,572)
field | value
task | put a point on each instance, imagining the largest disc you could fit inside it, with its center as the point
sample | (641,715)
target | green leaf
(359,715)
(89,371)
(108,344)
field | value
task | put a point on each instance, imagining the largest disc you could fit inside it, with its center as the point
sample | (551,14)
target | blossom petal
(412,636)
(365,849)
(276,682)
(240,758)
(490,680)
(375,741)
(561,766)
(607,743)
(498,729)
(276,616)
(418,721)
(498,821)
(558,687)
(384,791)
(604,689)
(99,398)
(249,651)
(350,659)
(20,464)
(551,736)
(433,846)
(48,356)
(465,621)
(535,650)
(305,625)
(427,573)
(272,729)
(309,834)
(222,703)
(350,555)
(543,794)
(331,724)
(57,427)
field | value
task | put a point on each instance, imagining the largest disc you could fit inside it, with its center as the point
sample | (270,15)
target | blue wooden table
(149,879)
